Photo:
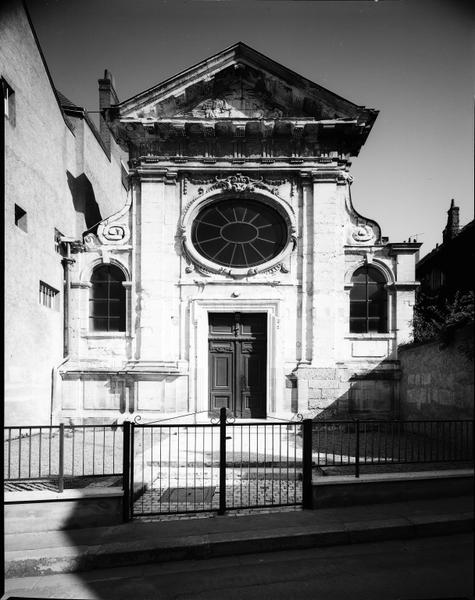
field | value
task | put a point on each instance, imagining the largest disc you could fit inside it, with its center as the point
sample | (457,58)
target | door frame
(199,371)
(238,357)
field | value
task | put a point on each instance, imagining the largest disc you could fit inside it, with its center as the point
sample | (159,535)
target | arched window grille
(107,299)
(368,301)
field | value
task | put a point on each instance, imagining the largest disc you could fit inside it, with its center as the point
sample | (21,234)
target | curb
(84,558)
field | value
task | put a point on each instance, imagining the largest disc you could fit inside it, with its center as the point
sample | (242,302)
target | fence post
(61,459)
(307,501)
(222,461)
(357,451)
(126,470)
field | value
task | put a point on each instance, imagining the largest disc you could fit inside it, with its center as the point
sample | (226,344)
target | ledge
(67,495)
(370,336)
(348,490)
(121,335)
(388,477)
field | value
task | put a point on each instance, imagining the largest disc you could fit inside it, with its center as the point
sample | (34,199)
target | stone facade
(237,127)
(236,130)
(437,377)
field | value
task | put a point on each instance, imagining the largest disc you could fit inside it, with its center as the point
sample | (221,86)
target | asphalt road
(426,568)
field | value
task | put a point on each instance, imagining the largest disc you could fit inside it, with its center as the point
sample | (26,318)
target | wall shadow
(372,394)
(84,200)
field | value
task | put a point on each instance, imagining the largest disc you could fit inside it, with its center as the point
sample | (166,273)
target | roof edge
(258,57)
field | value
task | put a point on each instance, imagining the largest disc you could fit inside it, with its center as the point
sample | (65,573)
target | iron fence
(63,451)
(373,442)
(214,467)
(224,465)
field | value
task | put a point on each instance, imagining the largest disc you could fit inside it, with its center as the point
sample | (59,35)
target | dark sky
(414,60)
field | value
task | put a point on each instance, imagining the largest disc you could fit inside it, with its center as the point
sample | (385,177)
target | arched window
(368,301)
(107,299)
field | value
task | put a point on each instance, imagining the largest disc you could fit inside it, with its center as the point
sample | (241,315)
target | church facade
(238,272)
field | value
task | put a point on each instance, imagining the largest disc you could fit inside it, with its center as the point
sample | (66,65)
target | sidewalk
(140,542)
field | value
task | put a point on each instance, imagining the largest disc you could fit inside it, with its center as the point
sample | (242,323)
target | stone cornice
(404,285)
(334,171)
(81,284)
(403,248)
(155,166)
(153,174)
(215,139)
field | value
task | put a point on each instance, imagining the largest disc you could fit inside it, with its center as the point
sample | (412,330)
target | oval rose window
(239,233)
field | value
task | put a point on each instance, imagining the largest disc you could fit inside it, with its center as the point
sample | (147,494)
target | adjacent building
(443,271)
(60,179)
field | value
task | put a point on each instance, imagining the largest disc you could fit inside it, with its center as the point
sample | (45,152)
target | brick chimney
(452,228)
(107,96)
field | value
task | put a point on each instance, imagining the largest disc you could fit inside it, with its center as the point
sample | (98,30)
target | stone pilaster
(158,269)
(328,266)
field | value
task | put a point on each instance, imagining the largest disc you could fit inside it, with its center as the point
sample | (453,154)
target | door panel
(221,363)
(253,379)
(237,363)
(220,324)
(222,372)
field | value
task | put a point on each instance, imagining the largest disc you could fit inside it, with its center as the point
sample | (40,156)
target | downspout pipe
(66,262)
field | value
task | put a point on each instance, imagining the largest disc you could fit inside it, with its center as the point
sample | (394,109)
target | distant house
(446,269)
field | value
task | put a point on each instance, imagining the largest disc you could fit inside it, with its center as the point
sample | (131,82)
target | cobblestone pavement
(188,490)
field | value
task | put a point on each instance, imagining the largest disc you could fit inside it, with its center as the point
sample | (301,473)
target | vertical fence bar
(49,451)
(93,450)
(307,464)
(30,440)
(73,453)
(222,461)
(113,449)
(104,450)
(9,451)
(257,464)
(39,452)
(357,450)
(61,459)
(151,466)
(126,454)
(240,471)
(131,468)
(19,453)
(143,486)
(295,466)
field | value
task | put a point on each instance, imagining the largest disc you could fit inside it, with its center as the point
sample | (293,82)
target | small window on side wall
(48,296)
(107,299)
(368,301)
(21,218)
(8,101)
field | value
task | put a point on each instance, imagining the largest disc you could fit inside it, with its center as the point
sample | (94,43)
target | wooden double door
(237,363)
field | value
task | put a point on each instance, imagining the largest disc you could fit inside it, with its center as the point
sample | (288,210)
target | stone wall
(437,377)
(45,154)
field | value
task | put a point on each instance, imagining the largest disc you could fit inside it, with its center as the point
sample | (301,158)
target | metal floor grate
(195,495)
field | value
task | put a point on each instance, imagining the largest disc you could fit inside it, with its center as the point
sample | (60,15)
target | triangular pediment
(239,83)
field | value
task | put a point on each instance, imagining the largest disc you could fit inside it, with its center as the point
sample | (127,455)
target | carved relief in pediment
(232,106)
